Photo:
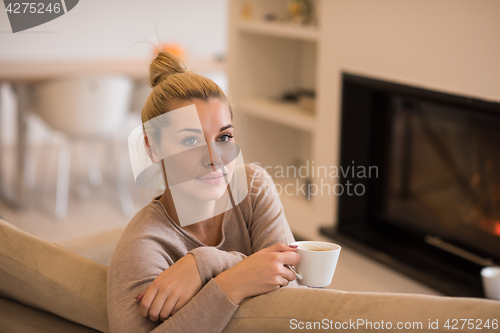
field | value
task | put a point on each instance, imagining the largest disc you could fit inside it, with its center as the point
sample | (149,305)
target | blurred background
(92,52)
(72,89)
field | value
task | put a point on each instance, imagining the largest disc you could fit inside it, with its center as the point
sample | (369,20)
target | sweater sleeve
(212,261)
(137,261)
(268,224)
(209,311)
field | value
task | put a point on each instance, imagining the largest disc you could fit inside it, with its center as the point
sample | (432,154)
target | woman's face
(198,149)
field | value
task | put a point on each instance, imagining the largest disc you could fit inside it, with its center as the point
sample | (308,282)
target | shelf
(288,114)
(309,33)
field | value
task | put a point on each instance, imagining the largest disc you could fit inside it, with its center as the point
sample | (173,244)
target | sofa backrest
(48,277)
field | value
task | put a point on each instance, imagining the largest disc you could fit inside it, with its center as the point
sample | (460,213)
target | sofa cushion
(15,317)
(309,309)
(48,277)
(97,247)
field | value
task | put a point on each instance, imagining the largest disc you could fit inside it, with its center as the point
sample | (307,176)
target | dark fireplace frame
(439,263)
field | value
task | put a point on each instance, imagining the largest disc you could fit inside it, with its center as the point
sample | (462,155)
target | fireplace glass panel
(438,157)
(443,172)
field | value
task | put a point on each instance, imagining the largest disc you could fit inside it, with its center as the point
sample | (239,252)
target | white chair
(139,96)
(85,108)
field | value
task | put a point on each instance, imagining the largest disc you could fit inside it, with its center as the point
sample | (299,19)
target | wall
(114,28)
(447,45)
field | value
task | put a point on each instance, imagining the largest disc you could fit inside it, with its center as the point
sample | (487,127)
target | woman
(167,275)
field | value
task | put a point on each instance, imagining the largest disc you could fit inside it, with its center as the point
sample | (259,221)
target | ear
(150,150)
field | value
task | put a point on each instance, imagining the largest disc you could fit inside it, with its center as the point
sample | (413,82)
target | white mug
(491,282)
(318,261)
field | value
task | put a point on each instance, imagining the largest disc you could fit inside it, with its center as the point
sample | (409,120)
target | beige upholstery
(282,310)
(46,276)
(98,247)
(18,318)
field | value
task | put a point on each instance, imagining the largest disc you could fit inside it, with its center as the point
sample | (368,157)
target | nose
(214,156)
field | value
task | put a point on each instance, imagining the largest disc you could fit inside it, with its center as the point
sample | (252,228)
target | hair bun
(165,64)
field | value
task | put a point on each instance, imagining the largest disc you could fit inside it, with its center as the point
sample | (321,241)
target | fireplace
(433,209)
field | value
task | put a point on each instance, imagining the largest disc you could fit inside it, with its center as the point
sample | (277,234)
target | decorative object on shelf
(300,12)
(307,100)
(299,164)
(270,17)
(173,48)
(308,189)
(304,97)
(246,11)
(290,96)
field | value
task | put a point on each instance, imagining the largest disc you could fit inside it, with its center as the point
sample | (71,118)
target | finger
(279,248)
(141,295)
(146,301)
(168,306)
(180,303)
(284,282)
(156,307)
(289,258)
(288,274)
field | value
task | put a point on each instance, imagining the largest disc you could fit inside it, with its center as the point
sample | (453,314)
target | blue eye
(225,138)
(191,141)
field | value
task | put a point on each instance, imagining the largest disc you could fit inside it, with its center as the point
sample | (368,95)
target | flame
(496,228)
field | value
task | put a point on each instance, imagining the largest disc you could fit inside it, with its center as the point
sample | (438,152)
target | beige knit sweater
(152,242)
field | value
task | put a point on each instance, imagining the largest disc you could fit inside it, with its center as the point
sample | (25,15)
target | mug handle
(293,270)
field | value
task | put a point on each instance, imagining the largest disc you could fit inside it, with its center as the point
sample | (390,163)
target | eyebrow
(190,130)
(226,127)
(199,131)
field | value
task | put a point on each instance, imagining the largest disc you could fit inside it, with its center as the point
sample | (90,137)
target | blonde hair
(172,83)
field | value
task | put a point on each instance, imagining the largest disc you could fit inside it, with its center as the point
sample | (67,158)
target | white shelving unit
(265,61)
(279,30)
(289,114)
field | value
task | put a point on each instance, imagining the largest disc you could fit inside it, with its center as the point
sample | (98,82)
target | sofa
(47,288)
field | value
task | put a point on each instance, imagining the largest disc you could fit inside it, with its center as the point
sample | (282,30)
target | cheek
(231,165)
(163,149)
(229,169)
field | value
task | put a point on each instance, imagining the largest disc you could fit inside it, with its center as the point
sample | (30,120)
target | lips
(212,178)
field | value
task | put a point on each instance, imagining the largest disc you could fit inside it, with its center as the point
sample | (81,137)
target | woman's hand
(171,290)
(260,273)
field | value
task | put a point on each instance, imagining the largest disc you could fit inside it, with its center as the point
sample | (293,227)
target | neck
(167,202)
(207,231)
(194,210)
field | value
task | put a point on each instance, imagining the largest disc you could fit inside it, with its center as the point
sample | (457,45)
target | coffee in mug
(315,248)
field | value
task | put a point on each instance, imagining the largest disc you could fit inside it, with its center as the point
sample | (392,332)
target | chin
(204,192)
(211,193)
